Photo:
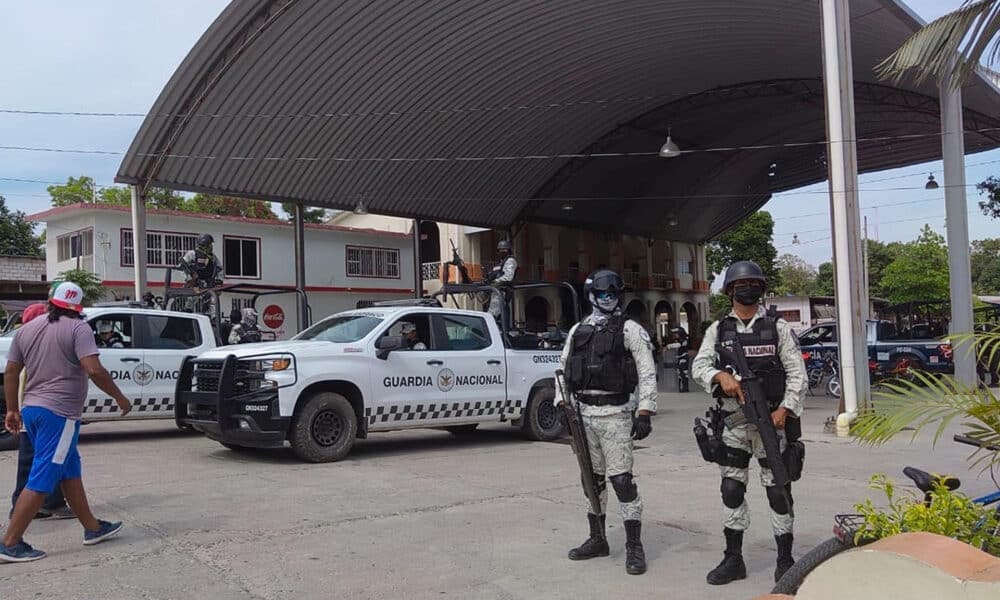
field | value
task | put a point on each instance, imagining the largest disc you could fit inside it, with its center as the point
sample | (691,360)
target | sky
(116,56)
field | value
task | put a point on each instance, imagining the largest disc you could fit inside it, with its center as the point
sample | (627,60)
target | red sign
(274,317)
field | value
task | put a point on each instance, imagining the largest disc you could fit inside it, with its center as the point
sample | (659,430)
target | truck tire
(462,429)
(542,421)
(793,577)
(8,441)
(324,429)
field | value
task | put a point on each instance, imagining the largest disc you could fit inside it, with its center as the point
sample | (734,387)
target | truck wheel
(543,421)
(8,441)
(324,429)
(462,429)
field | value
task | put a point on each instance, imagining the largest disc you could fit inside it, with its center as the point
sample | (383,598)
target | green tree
(990,206)
(750,240)
(920,272)
(824,280)
(880,256)
(985,263)
(17,234)
(798,278)
(93,288)
(230,206)
(74,191)
(719,306)
(309,214)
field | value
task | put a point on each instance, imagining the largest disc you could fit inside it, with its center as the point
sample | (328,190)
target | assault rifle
(757,411)
(578,439)
(456,260)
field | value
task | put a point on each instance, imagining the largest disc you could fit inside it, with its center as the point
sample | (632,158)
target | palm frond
(949,48)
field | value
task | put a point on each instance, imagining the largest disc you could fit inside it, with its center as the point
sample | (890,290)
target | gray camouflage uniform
(609,428)
(743,437)
(508,271)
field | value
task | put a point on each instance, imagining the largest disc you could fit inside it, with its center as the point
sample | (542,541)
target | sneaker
(20,552)
(63,512)
(106,532)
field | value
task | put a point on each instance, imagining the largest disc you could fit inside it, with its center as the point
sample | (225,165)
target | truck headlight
(270,364)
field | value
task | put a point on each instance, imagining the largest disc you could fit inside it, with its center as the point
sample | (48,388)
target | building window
(364,261)
(684,267)
(76,244)
(241,257)
(162,249)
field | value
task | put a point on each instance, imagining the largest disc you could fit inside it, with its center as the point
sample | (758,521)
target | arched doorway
(536,314)
(663,313)
(690,320)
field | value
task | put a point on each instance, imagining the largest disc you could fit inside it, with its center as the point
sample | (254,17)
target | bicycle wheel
(793,577)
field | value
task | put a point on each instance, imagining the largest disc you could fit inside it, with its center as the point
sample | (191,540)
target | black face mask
(749,295)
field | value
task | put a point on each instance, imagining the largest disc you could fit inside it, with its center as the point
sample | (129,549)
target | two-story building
(344,265)
(666,280)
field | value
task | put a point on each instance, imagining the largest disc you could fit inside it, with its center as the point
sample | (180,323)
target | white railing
(662,281)
(430,271)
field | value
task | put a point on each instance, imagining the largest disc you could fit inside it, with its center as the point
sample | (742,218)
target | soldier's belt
(602,399)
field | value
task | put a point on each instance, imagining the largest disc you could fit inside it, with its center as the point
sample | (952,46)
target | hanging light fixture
(669,148)
(360,208)
(931,184)
(795,239)
(672,221)
(567,206)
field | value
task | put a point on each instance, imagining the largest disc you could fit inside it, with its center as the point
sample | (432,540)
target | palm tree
(969,33)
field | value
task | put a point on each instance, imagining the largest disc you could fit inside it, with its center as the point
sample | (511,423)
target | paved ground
(421,515)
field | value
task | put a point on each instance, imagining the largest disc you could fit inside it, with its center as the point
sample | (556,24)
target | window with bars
(364,261)
(162,249)
(76,244)
(684,267)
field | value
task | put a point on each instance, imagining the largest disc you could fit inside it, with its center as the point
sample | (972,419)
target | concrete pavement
(424,514)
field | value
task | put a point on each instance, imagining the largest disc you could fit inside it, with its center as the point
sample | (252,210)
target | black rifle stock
(578,438)
(456,260)
(757,411)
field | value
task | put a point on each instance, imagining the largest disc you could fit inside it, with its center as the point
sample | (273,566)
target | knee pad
(777,500)
(625,488)
(733,492)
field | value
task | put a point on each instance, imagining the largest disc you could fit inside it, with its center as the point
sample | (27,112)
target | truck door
(120,357)
(165,341)
(473,378)
(404,385)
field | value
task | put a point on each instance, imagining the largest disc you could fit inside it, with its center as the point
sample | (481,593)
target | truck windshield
(342,330)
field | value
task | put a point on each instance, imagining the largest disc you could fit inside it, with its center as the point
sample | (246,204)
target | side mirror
(386,344)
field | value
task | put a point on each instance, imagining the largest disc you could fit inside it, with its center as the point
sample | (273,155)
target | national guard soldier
(774,357)
(201,265)
(606,358)
(501,277)
(246,330)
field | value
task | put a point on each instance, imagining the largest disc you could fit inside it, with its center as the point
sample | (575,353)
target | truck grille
(207,375)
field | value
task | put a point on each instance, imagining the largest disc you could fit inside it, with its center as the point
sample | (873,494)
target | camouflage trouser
(744,438)
(610,441)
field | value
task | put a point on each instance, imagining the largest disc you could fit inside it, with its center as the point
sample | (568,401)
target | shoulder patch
(644,334)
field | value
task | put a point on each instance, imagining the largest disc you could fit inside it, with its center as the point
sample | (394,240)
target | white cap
(407,328)
(68,295)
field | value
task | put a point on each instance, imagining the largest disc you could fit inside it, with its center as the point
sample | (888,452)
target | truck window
(342,330)
(466,333)
(818,335)
(170,333)
(415,331)
(112,331)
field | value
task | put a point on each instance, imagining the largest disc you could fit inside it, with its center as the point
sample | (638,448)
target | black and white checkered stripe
(107,405)
(447,410)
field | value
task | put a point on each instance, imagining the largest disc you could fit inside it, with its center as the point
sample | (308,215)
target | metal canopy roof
(488,113)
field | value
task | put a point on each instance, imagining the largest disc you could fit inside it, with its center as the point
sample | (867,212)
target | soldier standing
(606,358)
(773,356)
(501,277)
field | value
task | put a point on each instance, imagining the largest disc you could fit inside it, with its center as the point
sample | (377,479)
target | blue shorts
(56,456)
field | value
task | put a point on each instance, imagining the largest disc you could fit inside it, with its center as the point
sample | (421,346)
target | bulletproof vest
(204,265)
(498,269)
(761,348)
(249,335)
(598,359)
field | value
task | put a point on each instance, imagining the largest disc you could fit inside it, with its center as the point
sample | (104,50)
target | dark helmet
(743,269)
(205,240)
(603,280)
(504,245)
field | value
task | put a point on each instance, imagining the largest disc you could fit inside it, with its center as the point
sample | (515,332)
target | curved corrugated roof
(475,111)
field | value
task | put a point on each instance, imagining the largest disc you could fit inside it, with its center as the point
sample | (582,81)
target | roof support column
(956,213)
(842,160)
(299,227)
(418,267)
(139,242)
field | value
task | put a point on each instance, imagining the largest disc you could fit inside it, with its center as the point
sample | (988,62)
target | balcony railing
(662,281)
(430,271)
(631,278)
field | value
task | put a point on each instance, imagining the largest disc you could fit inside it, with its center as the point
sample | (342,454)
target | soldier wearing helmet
(775,358)
(201,265)
(501,277)
(107,337)
(245,331)
(609,370)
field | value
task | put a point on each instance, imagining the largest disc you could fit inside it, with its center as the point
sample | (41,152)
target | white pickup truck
(155,342)
(355,373)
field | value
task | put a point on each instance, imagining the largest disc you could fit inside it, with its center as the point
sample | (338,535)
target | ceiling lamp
(931,184)
(669,148)
(795,239)
(360,209)
(567,206)
(672,221)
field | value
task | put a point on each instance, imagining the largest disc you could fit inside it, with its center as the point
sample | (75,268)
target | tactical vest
(761,348)
(498,270)
(598,359)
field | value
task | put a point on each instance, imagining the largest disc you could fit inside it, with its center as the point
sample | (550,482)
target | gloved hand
(641,427)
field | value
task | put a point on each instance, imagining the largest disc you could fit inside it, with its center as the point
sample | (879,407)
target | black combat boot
(635,556)
(596,544)
(785,560)
(732,567)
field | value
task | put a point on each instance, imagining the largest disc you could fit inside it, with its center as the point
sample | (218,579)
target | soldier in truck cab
(107,337)
(411,337)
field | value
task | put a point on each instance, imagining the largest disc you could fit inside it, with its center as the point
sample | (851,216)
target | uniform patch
(644,334)
(762,350)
